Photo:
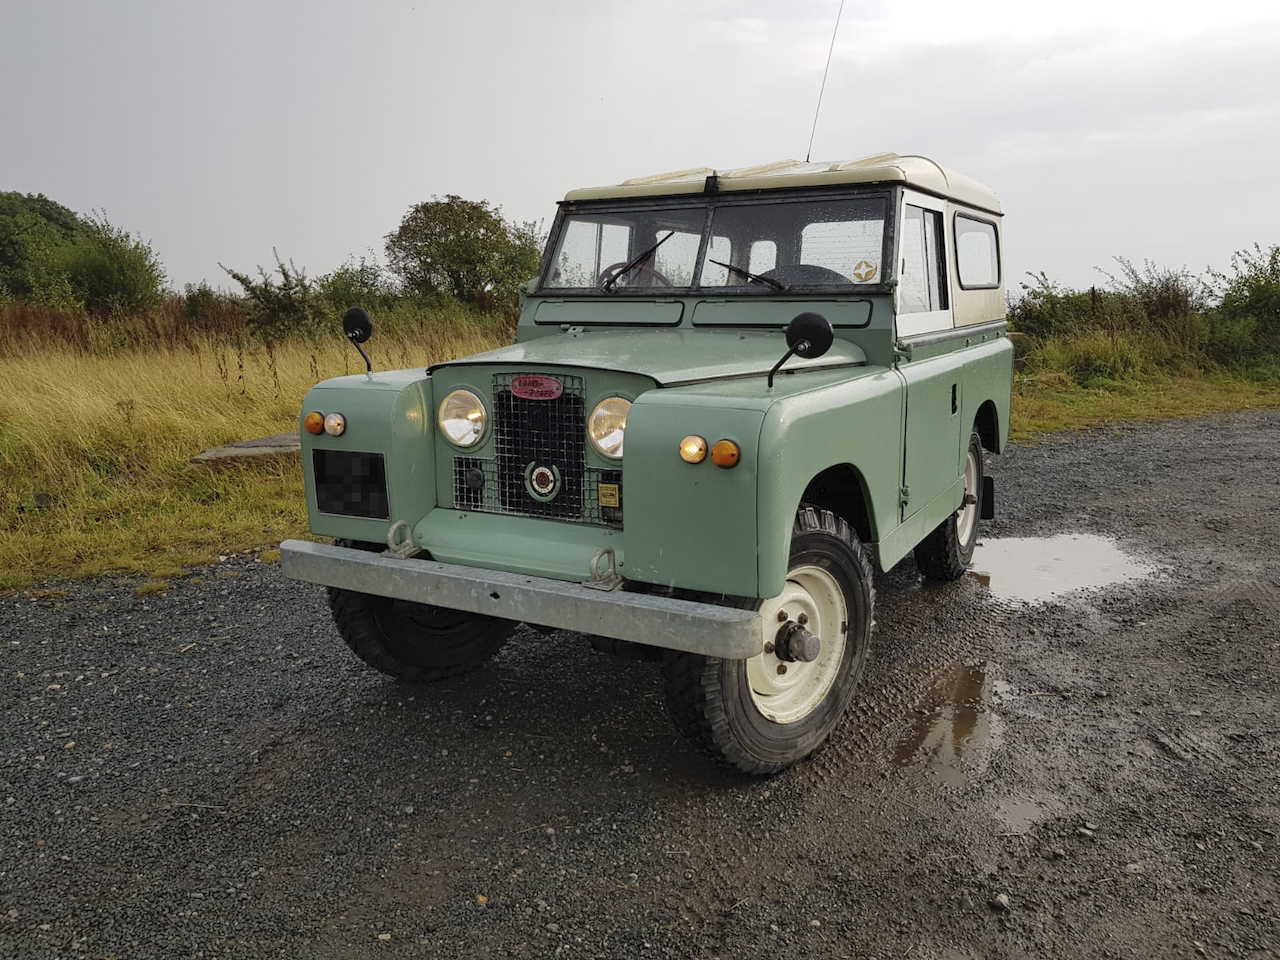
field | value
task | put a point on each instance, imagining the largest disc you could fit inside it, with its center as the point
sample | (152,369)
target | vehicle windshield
(725,245)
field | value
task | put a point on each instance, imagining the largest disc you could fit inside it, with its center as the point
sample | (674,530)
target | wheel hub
(793,642)
(802,643)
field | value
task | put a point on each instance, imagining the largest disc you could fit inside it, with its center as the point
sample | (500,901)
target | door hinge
(904,495)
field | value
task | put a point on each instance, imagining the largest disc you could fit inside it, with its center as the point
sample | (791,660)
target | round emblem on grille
(542,481)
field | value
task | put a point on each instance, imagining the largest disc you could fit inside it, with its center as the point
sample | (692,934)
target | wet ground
(1071,752)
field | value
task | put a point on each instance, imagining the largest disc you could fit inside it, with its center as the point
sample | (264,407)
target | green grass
(1054,402)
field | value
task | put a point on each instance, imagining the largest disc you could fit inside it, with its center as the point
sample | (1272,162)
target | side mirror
(810,335)
(359,327)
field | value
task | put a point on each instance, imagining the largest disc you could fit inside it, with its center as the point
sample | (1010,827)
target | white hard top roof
(920,172)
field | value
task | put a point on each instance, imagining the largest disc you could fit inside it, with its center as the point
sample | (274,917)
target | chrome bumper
(725,632)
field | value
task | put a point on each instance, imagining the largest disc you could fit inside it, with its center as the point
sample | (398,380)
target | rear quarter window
(977,253)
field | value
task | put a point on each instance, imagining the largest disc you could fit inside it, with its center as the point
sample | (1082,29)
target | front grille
(351,484)
(549,433)
(531,435)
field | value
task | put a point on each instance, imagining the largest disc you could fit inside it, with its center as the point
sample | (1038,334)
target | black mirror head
(357,325)
(810,335)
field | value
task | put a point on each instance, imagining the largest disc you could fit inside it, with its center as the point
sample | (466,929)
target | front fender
(691,525)
(857,423)
(387,414)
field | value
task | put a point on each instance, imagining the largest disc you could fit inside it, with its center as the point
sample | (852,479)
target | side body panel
(932,449)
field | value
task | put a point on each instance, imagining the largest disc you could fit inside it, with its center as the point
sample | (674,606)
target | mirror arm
(785,357)
(368,366)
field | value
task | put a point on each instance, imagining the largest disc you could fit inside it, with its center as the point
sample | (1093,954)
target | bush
(275,310)
(357,283)
(210,311)
(111,271)
(1169,303)
(1250,296)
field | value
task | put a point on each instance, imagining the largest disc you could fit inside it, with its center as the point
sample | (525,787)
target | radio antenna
(823,88)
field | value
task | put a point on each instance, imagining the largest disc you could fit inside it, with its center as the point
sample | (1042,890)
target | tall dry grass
(95,448)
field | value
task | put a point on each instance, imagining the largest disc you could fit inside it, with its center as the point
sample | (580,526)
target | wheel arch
(842,489)
(987,423)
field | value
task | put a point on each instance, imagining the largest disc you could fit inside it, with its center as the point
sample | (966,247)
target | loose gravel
(210,773)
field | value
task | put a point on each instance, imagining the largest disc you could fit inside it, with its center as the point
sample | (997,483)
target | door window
(921,282)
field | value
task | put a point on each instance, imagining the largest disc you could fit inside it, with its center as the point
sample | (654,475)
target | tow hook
(793,642)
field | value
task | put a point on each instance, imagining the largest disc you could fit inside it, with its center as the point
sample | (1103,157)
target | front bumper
(729,633)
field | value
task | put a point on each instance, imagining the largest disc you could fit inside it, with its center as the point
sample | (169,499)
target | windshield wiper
(748,275)
(630,265)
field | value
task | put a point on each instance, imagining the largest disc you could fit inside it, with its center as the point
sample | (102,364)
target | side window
(921,282)
(977,253)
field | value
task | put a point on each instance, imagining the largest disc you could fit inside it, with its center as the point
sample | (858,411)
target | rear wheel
(946,553)
(763,714)
(414,641)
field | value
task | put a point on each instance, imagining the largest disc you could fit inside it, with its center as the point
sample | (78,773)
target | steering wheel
(655,278)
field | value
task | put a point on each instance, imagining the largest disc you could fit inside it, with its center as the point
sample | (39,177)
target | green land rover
(731,394)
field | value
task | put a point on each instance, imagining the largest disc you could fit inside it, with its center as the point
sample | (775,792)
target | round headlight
(334,424)
(607,425)
(462,418)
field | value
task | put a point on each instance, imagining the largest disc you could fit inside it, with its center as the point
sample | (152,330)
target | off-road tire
(945,553)
(414,641)
(710,700)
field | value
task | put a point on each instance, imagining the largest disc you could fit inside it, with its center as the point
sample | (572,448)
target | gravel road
(209,773)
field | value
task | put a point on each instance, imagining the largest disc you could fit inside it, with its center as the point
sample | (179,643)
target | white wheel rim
(968,517)
(795,692)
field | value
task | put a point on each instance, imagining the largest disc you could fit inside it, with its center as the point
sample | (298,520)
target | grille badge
(542,482)
(536,387)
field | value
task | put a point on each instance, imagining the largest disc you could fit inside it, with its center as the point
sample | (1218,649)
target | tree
(54,257)
(30,224)
(462,249)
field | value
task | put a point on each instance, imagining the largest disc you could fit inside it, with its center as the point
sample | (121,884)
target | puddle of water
(954,725)
(1021,814)
(1035,569)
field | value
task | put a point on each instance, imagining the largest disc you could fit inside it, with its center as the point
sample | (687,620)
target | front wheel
(946,553)
(414,641)
(763,714)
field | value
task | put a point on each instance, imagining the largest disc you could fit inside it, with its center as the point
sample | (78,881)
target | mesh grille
(351,484)
(530,434)
(550,433)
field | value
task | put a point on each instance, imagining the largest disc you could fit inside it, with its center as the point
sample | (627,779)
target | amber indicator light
(314,423)
(724,453)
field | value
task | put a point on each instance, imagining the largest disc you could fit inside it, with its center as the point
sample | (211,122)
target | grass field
(95,472)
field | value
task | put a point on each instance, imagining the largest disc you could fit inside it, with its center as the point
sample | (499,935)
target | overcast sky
(218,131)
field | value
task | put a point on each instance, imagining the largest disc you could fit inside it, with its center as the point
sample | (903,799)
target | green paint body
(878,425)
